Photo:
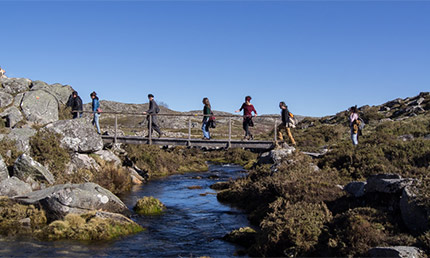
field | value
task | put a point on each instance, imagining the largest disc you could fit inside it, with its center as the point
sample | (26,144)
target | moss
(149,206)
(243,236)
(46,149)
(87,227)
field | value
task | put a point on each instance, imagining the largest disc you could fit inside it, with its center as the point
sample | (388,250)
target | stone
(29,170)
(60,200)
(5,99)
(18,100)
(406,137)
(136,178)
(40,107)
(83,161)
(386,183)
(13,186)
(396,252)
(414,216)
(220,185)
(15,85)
(12,116)
(4,173)
(355,189)
(79,135)
(59,91)
(245,236)
(22,138)
(275,156)
(108,156)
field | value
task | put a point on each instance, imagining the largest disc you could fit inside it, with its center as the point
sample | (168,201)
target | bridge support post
(229,133)
(116,128)
(275,131)
(150,130)
(189,132)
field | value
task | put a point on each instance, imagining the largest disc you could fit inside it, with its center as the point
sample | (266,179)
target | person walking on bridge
(287,122)
(96,110)
(207,112)
(75,102)
(153,111)
(247,108)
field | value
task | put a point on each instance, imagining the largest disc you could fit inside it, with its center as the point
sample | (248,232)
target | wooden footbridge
(189,141)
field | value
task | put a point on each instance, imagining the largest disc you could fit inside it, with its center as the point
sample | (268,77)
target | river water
(192,226)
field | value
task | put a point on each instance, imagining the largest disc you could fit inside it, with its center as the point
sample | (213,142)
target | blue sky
(320,57)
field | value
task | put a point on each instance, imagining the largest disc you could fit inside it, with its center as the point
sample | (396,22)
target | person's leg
(75,115)
(290,135)
(354,138)
(205,130)
(96,120)
(280,136)
(155,126)
(245,127)
(80,114)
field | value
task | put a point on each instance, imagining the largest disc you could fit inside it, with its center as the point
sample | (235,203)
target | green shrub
(149,206)
(64,113)
(9,151)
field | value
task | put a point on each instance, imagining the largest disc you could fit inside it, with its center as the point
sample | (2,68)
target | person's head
(206,102)
(248,98)
(283,105)
(93,95)
(353,109)
(150,96)
(75,94)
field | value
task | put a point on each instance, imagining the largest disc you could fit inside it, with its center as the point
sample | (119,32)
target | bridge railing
(270,119)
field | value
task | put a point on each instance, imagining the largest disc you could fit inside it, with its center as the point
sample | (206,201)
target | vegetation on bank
(149,205)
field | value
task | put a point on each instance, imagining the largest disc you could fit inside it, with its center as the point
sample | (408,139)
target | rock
(396,251)
(40,107)
(18,100)
(355,189)
(386,183)
(22,138)
(136,178)
(149,205)
(29,170)
(83,161)
(60,200)
(427,137)
(15,85)
(12,116)
(13,187)
(406,137)
(109,156)
(275,156)
(5,99)
(60,92)
(414,215)
(4,173)
(242,236)
(78,135)
(220,186)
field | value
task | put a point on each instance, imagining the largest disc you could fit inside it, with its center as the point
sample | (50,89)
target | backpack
(292,121)
(362,124)
(157,108)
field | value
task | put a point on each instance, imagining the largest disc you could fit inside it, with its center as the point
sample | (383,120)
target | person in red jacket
(247,108)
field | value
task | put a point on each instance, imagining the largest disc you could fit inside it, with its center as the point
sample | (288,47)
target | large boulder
(275,156)
(22,138)
(15,85)
(355,189)
(12,116)
(5,99)
(386,183)
(31,171)
(60,200)
(415,216)
(13,187)
(78,135)
(109,156)
(4,173)
(40,107)
(59,91)
(18,100)
(83,161)
(396,252)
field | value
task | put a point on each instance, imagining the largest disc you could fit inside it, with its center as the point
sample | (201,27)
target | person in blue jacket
(96,110)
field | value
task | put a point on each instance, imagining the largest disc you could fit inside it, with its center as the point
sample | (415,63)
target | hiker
(2,73)
(75,102)
(206,119)
(153,111)
(354,124)
(247,108)
(96,110)
(287,122)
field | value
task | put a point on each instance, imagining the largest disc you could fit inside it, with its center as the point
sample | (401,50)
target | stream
(192,226)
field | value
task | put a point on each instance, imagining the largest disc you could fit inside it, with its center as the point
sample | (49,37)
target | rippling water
(193,224)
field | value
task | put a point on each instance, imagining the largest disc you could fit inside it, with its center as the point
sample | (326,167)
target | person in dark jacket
(152,112)
(75,102)
(286,124)
(96,110)
(206,115)
(247,108)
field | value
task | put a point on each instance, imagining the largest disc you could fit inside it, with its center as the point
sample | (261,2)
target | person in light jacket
(96,110)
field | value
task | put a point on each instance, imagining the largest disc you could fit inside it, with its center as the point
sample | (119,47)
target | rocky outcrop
(78,135)
(109,156)
(275,156)
(83,161)
(60,200)
(414,216)
(12,116)
(59,91)
(21,136)
(40,107)
(13,187)
(5,99)
(31,171)
(243,236)
(396,252)
(4,173)
(15,85)
(355,189)
(387,183)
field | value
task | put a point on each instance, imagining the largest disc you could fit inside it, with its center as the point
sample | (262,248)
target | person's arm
(79,103)
(151,109)
(255,111)
(237,111)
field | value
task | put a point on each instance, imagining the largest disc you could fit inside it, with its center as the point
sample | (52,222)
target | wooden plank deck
(191,142)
